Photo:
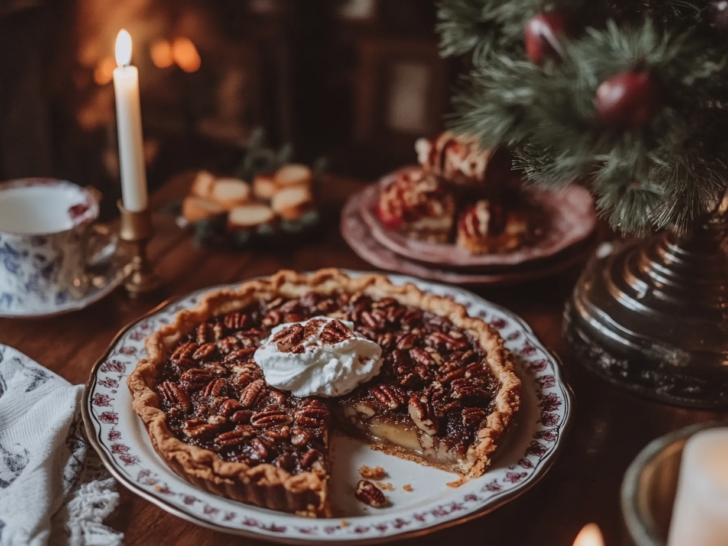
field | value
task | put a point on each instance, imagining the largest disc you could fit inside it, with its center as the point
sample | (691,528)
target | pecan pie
(444,394)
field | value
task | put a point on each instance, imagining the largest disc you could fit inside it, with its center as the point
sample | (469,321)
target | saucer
(106,276)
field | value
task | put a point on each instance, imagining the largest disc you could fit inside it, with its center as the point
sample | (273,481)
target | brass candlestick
(136,231)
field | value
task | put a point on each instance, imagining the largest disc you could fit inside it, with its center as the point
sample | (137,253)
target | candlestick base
(136,230)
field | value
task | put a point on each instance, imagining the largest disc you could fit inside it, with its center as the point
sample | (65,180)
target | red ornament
(628,100)
(542,37)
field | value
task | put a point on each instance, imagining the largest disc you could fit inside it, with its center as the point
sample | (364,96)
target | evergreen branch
(665,174)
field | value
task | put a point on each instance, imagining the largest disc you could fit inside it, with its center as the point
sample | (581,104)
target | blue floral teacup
(46,233)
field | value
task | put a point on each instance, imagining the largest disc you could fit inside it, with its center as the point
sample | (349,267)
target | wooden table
(610,427)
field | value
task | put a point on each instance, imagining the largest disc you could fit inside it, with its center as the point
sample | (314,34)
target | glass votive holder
(650,484)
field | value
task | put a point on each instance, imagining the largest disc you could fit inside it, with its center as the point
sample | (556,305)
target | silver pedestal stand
(652,316)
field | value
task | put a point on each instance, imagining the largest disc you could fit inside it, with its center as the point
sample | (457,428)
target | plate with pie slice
(379,406)
(557,220)
(358,236)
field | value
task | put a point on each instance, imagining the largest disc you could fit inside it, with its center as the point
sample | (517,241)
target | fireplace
(358,80)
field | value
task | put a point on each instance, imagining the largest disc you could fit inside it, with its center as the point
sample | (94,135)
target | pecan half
(408,380)
(291,306)
(260,450)
(310,457)
(465,388)
(236,321)
(370,494)
(312,416)
(196,378)
(228,407)
(232,438)
(182,356)
(249,337)
(251,393)
(204,334)
(273,318)
(450,372)
(276,398)
(373,320)
(389,396)
(472,417)
(421,357)
(476,369)
(214,388)
(175,396)
(444,409)
(241,355)
(215,368)
(289,338)
(269,418)
(335,332)
(286,461)
(228,344)
(204,351)
(278,433)
(299,436)
(195,430)
(442,340)
(405,341)
(423,415)
(386,341)
(241,416)
(410,318)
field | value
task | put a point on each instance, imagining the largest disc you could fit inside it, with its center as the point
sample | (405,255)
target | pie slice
(444,395)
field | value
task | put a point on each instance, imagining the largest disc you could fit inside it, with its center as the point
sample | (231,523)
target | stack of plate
(563,236)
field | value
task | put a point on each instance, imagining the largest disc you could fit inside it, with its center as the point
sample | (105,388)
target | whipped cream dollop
(322,356)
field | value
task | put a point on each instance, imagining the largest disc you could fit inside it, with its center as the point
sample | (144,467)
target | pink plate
(564,219)
(359,237)
(527,452)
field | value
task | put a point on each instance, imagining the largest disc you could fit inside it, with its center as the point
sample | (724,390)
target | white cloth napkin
(53,487)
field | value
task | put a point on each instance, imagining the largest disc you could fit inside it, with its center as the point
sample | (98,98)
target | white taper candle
(129,127)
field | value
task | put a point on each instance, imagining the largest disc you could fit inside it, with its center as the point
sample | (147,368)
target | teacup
(47,232)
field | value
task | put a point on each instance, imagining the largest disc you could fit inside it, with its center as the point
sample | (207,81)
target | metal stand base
(651,317)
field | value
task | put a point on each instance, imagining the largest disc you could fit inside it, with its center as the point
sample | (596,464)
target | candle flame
(123,48)
(590,535)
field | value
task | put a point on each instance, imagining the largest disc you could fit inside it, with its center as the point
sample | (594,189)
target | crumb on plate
(386,486)
(372,473)
(407,487)
(345,523)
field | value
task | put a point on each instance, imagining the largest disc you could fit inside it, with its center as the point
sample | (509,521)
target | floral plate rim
(334,529)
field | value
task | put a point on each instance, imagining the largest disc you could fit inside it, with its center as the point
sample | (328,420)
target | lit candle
(700,513)
(590,535)
(129,126)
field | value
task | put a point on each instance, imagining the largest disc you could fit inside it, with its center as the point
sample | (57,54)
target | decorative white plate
(527,452)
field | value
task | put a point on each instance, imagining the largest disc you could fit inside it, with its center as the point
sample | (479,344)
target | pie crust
(267,485)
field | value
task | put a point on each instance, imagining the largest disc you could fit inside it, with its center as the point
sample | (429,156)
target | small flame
(185,54)
(123,48)
(161,53)
(590,535)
